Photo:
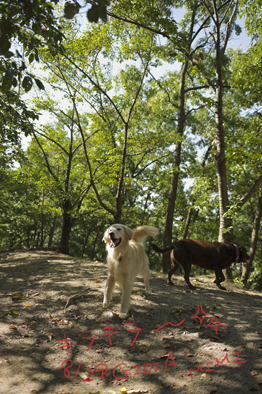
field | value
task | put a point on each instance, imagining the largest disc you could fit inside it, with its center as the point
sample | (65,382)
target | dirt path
(48,300)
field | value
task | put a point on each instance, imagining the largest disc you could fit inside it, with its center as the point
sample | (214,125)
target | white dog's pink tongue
(113,243)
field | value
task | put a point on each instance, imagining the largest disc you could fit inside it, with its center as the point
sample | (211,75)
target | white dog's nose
(111,234)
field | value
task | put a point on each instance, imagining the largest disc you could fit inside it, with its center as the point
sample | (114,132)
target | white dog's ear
(129,232)
(106,237)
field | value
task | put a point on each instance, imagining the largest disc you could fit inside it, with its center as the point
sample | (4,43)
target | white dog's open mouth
(115,242)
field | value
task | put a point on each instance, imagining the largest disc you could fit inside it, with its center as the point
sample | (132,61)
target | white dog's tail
(141,233)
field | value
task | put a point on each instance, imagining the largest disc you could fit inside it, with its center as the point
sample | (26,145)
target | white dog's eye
(118,229)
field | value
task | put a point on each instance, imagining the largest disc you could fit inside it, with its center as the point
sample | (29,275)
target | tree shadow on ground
(50,300)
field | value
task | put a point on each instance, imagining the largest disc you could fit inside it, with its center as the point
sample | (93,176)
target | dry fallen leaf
(164,355)
(13,327)
(143,349)
(187,354)
(136,391)
(183,375)
(167,337)
(34,295)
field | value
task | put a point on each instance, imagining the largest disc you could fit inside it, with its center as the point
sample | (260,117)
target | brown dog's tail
(162,250)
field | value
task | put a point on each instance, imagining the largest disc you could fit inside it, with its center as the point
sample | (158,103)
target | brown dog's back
(208,255)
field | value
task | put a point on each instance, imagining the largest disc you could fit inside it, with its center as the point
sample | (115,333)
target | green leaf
(31,58)
(14,82)
(5,44)
(93,13)
(39,84)
(10,313)
(7,81)
(71,9)
(27,83)
(9,54)
(102,13)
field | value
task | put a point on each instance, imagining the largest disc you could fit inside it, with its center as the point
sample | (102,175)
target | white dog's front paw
(123,315)
(105,304)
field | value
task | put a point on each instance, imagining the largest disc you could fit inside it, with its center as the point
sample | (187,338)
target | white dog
(126,259)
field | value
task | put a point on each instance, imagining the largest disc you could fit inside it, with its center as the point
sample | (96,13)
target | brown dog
(214,256)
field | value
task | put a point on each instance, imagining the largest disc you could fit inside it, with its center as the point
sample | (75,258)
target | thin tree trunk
(246,267)
(37,239)
(118,212)
(95,241)
(51,233)
(190,212)
(188,219)
(66,227)
(221,155)
(176,167)
(42,222)
(85,241)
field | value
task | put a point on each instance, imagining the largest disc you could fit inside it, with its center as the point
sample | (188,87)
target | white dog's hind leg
(125,304)
(110,285)
(146,280)
(146,274)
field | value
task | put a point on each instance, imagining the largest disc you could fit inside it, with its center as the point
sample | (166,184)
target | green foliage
(104,91)
(97,10)
(30,25)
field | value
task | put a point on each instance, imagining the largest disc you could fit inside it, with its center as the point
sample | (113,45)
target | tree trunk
(176,166)
(28,238)
(66,227)
(37,239)
(41,245)
(51,233)
(95,241)
(188,219)
(225,224)
(246,267)
(85,241)
(190,212)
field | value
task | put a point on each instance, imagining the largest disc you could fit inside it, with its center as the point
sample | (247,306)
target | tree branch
(45,157)
(103,205)
(249,193)
(97,86)
(229,27)
(52,140)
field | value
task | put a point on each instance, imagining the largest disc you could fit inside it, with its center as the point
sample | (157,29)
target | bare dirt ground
(48,301)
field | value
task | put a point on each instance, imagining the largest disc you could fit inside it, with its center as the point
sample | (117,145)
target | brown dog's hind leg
(186,264)
(171,272)
(186,277)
